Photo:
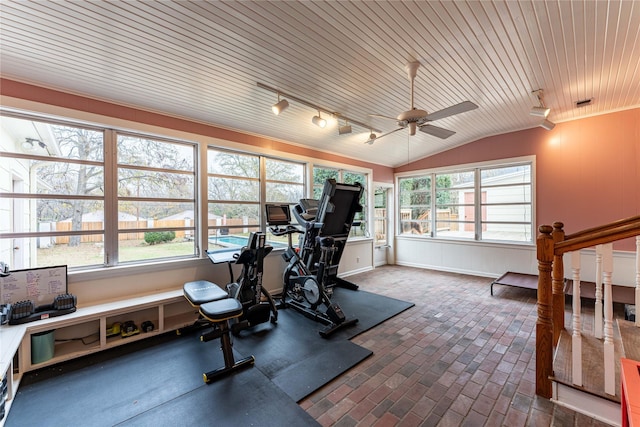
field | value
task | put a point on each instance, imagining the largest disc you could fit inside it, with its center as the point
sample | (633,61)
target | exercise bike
(248,289)
(303,290)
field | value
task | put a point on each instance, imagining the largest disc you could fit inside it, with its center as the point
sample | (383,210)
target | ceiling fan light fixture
(540,111)
(279,106)
(547,124)
(319,121)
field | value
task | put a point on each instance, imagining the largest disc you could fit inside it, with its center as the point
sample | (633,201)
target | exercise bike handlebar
(282,231)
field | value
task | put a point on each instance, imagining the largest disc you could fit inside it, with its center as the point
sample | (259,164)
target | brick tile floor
(460,357)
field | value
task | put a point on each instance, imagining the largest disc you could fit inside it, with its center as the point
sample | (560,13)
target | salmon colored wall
(588,170)
(75,102)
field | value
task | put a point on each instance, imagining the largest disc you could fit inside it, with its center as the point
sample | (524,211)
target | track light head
(547,124)
(540,111)
(345,129)
(279,106)
(319,121)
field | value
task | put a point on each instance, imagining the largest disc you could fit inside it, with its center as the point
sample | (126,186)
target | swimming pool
(238,241)
(229,240)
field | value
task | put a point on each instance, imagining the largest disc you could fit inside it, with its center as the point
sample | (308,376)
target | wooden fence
(150,225)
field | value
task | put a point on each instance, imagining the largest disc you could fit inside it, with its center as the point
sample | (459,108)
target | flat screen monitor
(278,214)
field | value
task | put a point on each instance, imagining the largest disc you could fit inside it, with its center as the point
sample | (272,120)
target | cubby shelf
(167,311)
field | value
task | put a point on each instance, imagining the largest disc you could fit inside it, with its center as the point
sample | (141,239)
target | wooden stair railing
(551,245)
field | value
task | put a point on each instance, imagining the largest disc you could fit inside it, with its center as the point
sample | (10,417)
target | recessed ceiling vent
(584,102)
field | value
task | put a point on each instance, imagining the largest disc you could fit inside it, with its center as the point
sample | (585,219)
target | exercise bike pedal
(335,313)
(327,332)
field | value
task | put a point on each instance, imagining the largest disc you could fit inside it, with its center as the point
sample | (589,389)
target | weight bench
(216,309)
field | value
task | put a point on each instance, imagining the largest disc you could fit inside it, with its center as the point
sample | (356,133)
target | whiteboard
(40,285)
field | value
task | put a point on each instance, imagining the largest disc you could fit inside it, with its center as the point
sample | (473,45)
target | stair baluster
(597,321)
(576,336)
(609,360)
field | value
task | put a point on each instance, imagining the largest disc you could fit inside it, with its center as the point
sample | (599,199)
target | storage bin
(42,346)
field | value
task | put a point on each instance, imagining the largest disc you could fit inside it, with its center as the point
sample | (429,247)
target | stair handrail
(598,235)
(549,250)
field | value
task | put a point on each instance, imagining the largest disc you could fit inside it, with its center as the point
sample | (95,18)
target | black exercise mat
(293,354)
(370,310)
(158,381)
(150,387)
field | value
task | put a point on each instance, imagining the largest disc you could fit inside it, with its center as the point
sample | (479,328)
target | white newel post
(637,279)
(609,361)
(576,336)
(597,321)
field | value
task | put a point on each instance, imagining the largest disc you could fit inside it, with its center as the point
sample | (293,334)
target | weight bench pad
(218,311)
(202,291)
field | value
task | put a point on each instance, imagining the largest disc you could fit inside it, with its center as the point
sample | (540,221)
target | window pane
(284,193)
(380,216)
(520,174)
(508,232)
(51,251)
(149,170)
(455,229)
(415,205)
(320,175)
(154,245)
(155,184)
(233,189)
(278,170)
(506,204)
(139,151)
(285,181)
(233,164)
(233,214)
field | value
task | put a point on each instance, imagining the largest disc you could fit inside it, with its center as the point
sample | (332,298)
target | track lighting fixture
(548,125)
(319,121)
(542,111)
(279,106)
(344,129)
(539,110)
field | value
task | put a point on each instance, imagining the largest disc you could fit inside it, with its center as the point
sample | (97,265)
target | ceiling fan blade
(451,111)
(380,116)
(370,141)
(436,131)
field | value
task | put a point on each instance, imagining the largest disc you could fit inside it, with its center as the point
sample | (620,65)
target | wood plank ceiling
(203,60)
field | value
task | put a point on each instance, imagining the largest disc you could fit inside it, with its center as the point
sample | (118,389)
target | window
(380,216)
(238,191)
(59,183)
(415,205)
(455,205)
(486,203)
(321,174)
(156,198)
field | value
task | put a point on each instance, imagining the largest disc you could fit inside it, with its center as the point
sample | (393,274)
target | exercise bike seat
(202,291)
(221,310)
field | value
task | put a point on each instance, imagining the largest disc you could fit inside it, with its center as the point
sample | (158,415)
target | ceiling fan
(419,119)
